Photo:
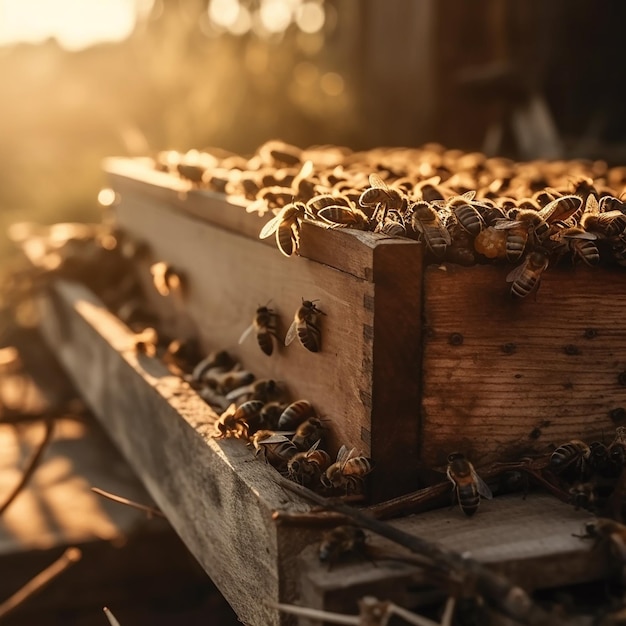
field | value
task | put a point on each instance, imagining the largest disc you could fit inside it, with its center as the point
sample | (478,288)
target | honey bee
(612,534)
(295,414)
(579,242)
(571,456)
(286,226)
(341,542)
(321,201)
(266,390)
(225,382)
(270,414)
(526,278)
(338,216)
(264,328)
(166,280)
(249,412)
(217,361)
(348,471)
(231,423)
(426,222)
(308,432)
(467,215)
(596,220)
(305,326)
(380,195)
(468,485)
(392,225)
(275,447)
(307,467)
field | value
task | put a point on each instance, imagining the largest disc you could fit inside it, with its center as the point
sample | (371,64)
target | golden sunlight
(75,24)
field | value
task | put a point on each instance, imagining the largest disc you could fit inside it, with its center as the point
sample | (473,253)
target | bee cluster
(465,208)
(289,435)
(593,473)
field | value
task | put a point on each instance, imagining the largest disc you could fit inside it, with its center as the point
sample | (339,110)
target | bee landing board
(416,361)
(365,377)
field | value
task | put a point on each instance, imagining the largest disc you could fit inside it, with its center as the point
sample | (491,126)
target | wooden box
(416,360)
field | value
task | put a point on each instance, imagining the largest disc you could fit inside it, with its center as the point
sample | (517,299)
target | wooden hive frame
(417,361)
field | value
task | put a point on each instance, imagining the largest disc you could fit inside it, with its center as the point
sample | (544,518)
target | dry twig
(148,510)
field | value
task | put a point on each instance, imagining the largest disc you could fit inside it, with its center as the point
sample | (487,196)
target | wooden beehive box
(417,360)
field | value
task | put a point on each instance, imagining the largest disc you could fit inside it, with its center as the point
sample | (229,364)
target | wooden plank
(502,378)
(532,540)
(216,495)
(133,178)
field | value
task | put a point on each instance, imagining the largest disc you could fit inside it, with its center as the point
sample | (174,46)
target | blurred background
(86,79)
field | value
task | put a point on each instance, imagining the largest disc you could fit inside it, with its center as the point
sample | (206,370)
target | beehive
(417,359)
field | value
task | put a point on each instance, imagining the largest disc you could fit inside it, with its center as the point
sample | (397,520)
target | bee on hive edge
(340,542)
(166,280)
(426,221)
(264,328)
(337,216)
(467,484)
(295,414)
(467,215)
(383,197)
(306,468)
(308,432)
(231,423)
(572,454)
(286,226)
(526,278)
(305,326)
(348,471)
(275,447)
(579,242)
(598,220)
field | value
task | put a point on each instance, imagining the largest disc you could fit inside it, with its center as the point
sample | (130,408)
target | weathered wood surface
(502,377)
(369,359)
(348,250)
(216,495)
(533,541)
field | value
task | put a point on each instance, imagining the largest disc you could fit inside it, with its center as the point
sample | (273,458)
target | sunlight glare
(75,24)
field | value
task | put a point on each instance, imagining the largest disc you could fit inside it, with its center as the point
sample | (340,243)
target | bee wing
(345,454)
(246,333)
(291,332)
(592,206)
(561,208)
(469,195)
(515,273)
(305,171)
(340,215)
(481,485)
(377,181)
(277,437)
(506,224)
(270,228)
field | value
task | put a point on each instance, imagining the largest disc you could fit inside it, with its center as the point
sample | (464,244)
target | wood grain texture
(530,540)
(229,276)
(216,495)
(503,378)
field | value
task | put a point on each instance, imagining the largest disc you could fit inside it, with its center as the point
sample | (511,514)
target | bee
(307,467)
(392,225)
(617,450)
(467,484)
(383,197)
(270,414)
(146,342)
(347,471)
(340,542)
(571,456)
(526,278)
(579,242)
(583,495)
(286,226)
(467,215)
(610,533)
(462,250)
(250,413)
(305,326)
(231,423)
(220,361)
(599,458)
(321,201)
(266,390)
(264,327)
(596,220)
(338,216)
(275,447)
(426,222)
(225,382)
(295,414)
(308,432)
(166,280)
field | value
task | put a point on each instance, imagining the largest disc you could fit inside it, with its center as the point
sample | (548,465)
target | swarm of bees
(464,208)
(593,473)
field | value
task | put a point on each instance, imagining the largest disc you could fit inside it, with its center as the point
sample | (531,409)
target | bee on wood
(341,542)
(286,227)
(392,225)
(275,447)
(305,326)
(348,471)
(571,456)
(217,361)
(264,328)
(295,414)
(337,216)
(225,382)
(426,221)
(166,280)
(322,201)
(526,278)
(266,390)
(308,432)
(610,534)
(579,242)
(467,484)
(270,414)
(583,495)
(231,423)
(250,413)
(383,197)
(467,215)
(307,467)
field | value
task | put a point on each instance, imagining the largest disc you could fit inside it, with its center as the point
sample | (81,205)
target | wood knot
(571,350)
(590,333)
(618,414)
(509,348)
(455,339)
